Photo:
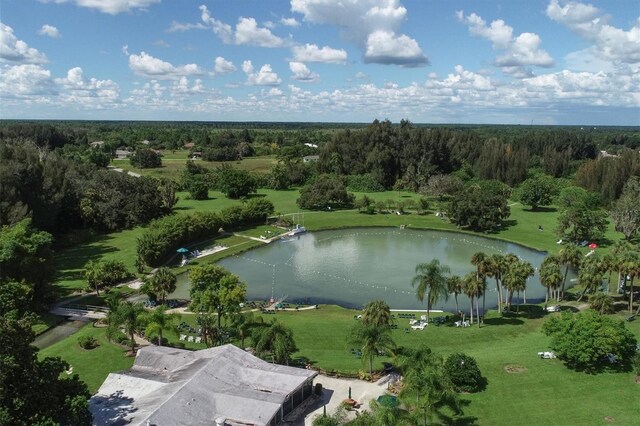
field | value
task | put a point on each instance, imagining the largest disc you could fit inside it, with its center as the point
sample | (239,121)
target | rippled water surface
(353,267)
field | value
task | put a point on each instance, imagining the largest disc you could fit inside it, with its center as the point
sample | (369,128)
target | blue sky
(445,61)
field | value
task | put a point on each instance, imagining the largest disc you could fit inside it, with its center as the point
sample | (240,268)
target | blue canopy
(183,250)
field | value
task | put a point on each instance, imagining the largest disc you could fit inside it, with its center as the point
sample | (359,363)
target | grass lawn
(44,322)
(93,365)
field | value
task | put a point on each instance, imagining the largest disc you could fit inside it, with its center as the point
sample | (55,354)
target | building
(309,158)
(122,154)
(96,144)
(168,386)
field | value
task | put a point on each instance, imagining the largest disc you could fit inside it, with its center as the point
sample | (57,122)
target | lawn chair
(183,337)
(198,339)
(190,339)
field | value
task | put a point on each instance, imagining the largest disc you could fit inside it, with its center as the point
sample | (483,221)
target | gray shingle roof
(168,386)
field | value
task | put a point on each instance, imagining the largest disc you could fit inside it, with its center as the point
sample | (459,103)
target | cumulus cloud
(247,31)
(15,50)
(385,47)
(264,77)
(148,66)
(313,53)
(369,24)
(519,52)
(222,66)
(300,72)
(182,88)
(290,22)
(112,7)
(79,89)
(49,31)
(589,22)
(24,81)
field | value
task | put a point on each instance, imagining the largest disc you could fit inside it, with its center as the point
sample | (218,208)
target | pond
(352,267)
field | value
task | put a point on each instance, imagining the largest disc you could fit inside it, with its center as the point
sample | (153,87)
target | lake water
(352,267)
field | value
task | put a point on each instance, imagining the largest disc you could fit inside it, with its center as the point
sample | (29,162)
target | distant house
(225,384)
(145,142)
(311,145)
(605,154)
(122,154)
(310,158)
(96,144)
(189,145)
(196,155)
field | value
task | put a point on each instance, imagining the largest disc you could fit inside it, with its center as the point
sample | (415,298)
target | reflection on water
(353,267)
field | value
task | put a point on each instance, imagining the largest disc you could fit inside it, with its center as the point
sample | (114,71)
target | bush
(464,373)
(166,235)
(145,158)
(234,183)
(327,191)
(87,342)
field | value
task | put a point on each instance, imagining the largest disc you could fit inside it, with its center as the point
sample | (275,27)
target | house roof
(177,386)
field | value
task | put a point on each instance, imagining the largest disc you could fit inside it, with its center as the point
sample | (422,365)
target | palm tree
(550,275)
(372,340)
(608,264)
(430,279)
(426,388)
(630,268)
(570,256)
(590,276)
(601,302)
(162,283)
(497,270)
(277,341)
(242,324)
(128,316)
(377,313)
(454,285)
(158,321)
(618,250)
(484,268)
(473,286)
(516,278)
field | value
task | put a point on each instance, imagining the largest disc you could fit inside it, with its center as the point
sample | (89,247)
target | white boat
(297,230)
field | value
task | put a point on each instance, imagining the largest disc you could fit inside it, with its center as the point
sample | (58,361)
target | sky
(543,62)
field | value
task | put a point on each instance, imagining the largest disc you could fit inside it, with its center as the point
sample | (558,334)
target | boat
(297,230)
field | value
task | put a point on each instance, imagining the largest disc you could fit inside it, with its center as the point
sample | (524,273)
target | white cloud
(313,53)
(78,89)
(182,88)
(246,32)
(222,66)
(179,27)
(368,23)
(148,66)
(264,77)
(589,22)
(14,50)
(27,80)
(290,22)
(49,31)
(519,52)
(587,60)
(302,73)
(112,7)
(385,47)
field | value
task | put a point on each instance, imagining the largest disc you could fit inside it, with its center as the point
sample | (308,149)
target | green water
(352,267)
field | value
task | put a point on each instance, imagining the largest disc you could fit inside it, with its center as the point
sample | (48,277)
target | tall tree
(630,264)
(550,276)
(158,321)
(161,284)
(430,280)
(515,279)
(276,341)
(214,290)
(129,316)
(426,386)
(626,212)
(537,191)
(473,287)
(590,276)
(377,313)
(484,267)
(371,340)
(454,286)
(570,256)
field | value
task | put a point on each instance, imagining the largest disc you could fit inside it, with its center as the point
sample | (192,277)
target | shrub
(145,158)
(87,342)
(464,373)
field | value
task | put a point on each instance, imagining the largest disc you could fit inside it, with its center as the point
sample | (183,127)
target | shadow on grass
(541,209)
(460,419)
(505,320)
